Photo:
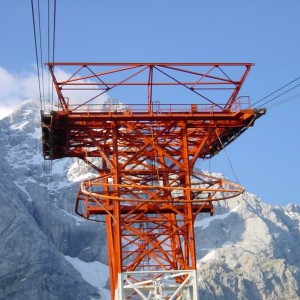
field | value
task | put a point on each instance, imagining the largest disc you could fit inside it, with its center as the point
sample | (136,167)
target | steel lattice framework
(144,153)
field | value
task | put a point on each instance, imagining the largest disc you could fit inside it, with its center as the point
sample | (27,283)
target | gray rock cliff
(37,227)
(247,250)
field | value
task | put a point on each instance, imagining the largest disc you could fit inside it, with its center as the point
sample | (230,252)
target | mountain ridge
(247,250)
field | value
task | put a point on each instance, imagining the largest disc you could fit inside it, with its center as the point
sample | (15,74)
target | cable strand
(274,92)
(272,99)
(36,52)
(53,48)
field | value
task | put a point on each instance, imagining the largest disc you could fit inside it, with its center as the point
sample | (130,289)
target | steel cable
(41,55)
(272,99)
(275,93)
(53,48)
(36,52)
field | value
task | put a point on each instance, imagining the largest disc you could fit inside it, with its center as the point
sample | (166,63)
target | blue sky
(265,158)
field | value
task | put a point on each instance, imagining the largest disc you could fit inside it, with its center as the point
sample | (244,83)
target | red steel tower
(144,151)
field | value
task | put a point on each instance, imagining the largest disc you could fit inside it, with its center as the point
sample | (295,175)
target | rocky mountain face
(37,228)
(248,250)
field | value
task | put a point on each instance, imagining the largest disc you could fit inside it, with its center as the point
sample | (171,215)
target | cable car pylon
(146,187)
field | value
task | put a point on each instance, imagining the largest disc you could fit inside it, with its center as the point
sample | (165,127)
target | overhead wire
(284,101)
(54,31)
(53,48)
(38,57)
(48,49)
(274,92)
(228,158)
(36,53)
(274,98)
(41,54)
(39,44)
(50,171)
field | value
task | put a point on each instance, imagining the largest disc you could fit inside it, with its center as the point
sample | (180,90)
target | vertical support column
(190,243)
(195,287)
(110,223)
(119,292)
(111,253)
(149,91)
(115,230)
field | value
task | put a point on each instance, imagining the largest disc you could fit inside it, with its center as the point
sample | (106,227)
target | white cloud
(6,84)
(4,112)
(17,88)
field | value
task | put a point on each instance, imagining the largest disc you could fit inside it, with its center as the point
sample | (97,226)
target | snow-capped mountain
(247,250)
(39,234)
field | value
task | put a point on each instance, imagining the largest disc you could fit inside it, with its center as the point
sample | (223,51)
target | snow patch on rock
(94,273)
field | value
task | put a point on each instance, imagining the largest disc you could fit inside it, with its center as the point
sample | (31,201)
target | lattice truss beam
(211,85)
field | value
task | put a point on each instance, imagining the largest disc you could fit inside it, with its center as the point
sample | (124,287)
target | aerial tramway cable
(274,92)
(39,46)
(284,101)
(228,158)
(274,98)
(53,47)
(41,54)
(36,53)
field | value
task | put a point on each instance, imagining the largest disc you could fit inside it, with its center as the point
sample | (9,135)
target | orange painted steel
(146,188)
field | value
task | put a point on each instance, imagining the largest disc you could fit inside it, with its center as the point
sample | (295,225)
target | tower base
(158,285)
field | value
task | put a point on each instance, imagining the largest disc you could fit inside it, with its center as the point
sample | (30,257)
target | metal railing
(242,102)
